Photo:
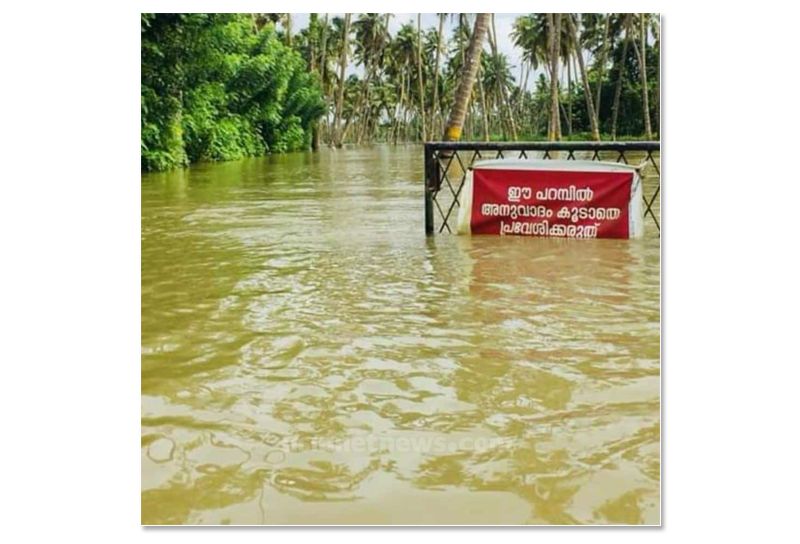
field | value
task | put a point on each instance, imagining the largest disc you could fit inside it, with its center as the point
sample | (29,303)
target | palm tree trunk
(363,102)
(287,25)
(497,110)
(569,95)
(348,123)
(312,28)
(323,64)
(512,123)
(648,130)
(337,137)
(657,90)
(602,64)
(396,123)
(656,28)
(558,65)
(484,113)
(524,91)
(502,91)
(620,78)
(323,61)
(554,27)
(436,113)
(466,82)
(551,37)
(519,103)
(587,91)
(406,104)
(564,114)
(419,76)
(463,21)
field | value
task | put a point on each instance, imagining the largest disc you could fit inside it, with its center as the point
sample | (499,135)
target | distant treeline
(224,86)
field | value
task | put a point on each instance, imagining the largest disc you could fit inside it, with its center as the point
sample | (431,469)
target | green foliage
(215,88)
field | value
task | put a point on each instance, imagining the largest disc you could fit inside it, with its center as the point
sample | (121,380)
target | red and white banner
(552,199)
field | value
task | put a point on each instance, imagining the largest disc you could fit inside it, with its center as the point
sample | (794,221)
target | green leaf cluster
(216,88)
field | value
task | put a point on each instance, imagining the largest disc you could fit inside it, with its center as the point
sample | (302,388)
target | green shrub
(215,89)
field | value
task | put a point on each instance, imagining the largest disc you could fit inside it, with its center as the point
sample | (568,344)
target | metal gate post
(430,164)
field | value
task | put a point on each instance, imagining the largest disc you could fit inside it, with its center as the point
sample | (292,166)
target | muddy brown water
(310,357)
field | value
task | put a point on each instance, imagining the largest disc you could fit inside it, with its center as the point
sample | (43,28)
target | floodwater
(310,357)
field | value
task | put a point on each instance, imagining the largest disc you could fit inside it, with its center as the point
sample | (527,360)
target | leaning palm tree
(587,91)
(472,59)
(531,34)
(599,35)
(501,86)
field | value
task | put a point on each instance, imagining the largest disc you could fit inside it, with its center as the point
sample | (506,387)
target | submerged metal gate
(447,163)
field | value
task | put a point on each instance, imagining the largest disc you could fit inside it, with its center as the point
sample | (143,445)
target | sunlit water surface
(309,357)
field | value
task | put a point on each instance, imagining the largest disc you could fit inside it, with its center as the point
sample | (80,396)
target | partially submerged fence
(447,163)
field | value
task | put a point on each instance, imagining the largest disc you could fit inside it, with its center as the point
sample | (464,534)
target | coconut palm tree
(641,54)
(501,86)
(498,79)
(419,76)
(396,78)
(482,97)
(472,60)
(372,35)
(620,75)
(352,89)
(337,117)
(554,45)
(462,32)
(436,113)
(544,44)
(529,33)
(323,65)
(655,29)
(404,52)
(587,91)
(311,42)
(597,38)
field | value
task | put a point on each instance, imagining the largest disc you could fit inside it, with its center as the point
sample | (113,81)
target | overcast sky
(503,23)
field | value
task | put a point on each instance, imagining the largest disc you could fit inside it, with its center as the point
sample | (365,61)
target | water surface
(309,356)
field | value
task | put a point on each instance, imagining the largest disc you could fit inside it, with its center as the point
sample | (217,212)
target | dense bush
(214,88)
